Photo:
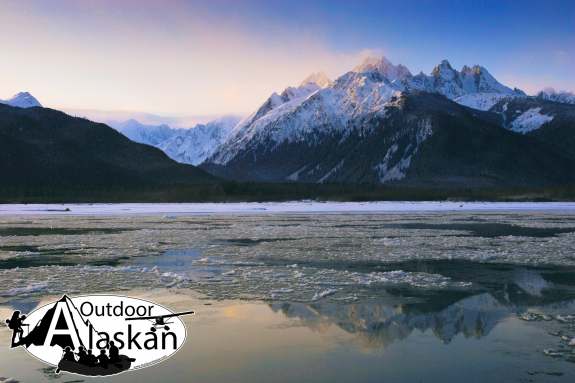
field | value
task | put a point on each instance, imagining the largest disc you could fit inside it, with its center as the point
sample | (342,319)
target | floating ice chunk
(347,299)
(293,266)
(31,287)
(324,294)
(7,380)
(529,317)
(552,352)
(326,272)
(91,278)
(565,318)
(546,317)
(571,342)
(282,291)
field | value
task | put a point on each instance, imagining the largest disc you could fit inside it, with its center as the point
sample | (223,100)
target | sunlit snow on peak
(22,100)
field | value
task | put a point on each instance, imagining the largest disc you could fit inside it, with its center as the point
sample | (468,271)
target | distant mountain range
(551,94)
(41,146)
(194,145)
(381,124)
(147,134)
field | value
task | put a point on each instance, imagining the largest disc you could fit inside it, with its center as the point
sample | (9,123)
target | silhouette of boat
(113,368)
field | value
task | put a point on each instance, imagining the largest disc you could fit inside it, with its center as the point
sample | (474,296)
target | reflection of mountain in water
(380,325)
(500,290)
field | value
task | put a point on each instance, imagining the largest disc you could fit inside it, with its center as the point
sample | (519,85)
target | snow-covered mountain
(451,83)
(443,79)
(147,134)
(552,95)
(314,134)
(22,100)
(194,145)
(299,111)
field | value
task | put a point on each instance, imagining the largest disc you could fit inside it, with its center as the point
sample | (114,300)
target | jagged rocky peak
(22,100)
(319,78)
(383,66)
(443,68)
(474,70)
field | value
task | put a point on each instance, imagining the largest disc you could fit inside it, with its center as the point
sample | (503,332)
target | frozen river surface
(442,278)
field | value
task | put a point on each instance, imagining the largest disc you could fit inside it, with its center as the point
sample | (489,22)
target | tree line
(233,191)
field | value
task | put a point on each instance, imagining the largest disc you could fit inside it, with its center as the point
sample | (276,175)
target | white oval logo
(99,335)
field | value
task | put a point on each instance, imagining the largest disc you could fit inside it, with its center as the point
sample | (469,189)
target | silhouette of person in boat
(91,359)
(114,353)
(82,355)
(15,324)
(103,359)
(68,354)
(92,365)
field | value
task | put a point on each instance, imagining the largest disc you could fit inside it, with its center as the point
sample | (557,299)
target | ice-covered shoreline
(274,207)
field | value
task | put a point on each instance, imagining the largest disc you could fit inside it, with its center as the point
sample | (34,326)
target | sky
(181,62)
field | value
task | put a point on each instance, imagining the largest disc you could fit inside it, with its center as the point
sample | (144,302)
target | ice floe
(248,256)
(54,280)
(324,294)
(552,352)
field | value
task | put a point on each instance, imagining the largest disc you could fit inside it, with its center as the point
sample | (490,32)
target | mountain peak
(22,100)
(371,63)
(383,66)
(320,79)
(442,67)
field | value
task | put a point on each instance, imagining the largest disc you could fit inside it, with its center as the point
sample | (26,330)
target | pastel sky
(177,58)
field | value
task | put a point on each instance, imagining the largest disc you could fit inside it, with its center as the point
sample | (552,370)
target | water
(428,295)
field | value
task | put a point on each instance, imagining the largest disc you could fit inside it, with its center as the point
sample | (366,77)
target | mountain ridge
(416,138)
(42,146)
